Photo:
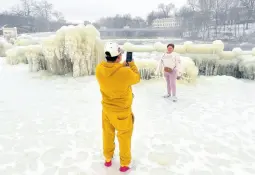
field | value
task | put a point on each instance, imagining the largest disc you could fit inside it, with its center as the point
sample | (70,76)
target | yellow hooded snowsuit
(115,82)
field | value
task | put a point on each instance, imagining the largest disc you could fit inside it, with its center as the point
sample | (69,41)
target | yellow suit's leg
(108,138)
(124,127)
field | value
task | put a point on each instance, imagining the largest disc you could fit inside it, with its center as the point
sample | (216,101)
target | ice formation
(4,46)
(48,49)
(16,55)
(148,68)
(35,58)
(76,49)
(25,40)
(188,69)
(211,59)
(246,67)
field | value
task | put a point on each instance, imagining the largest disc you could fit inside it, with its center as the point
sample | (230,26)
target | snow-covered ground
(51,125)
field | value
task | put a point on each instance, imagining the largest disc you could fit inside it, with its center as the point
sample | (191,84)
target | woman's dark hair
(172,45)
(109,57)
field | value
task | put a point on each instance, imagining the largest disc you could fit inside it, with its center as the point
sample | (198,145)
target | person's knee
(124,122)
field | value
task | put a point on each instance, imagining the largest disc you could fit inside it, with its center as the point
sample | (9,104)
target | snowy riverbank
(52,125)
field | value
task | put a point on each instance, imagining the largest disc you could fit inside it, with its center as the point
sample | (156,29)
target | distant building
(167,22)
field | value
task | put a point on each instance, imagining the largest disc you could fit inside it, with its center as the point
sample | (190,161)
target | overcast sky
(80,10)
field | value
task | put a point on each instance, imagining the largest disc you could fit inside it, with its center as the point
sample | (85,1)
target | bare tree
(16,10)
(224,11)
(150,17)
(187,15)
(154,15)
(43,9)
(138,22)
(58,16)
(220,11)
(193,4)
(27,7)
(33,16)
(120,21)
(166,9)
(43,12)
(250,9)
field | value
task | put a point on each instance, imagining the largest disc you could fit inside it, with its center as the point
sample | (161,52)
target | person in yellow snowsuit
(115,81)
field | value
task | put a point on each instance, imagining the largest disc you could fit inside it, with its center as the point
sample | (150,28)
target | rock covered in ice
(16,55)
(237,51)
(35,58)
(31,55)
(128,46)
(146,67)
(158,46)
(91,30)
(247,67)
(219,45)
(188,69)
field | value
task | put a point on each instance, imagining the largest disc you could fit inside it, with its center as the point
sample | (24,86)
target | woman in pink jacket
(170,62)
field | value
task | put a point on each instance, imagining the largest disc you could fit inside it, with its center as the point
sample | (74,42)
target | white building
(167,22)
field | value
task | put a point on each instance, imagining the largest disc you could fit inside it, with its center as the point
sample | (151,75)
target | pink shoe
(124,169)
(108,164)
